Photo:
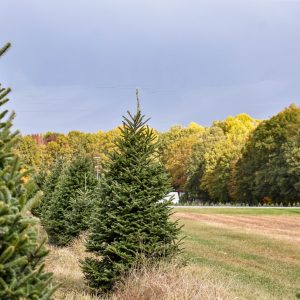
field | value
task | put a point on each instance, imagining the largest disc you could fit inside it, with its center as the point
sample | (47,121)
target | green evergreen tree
(130,220)
(82,207)
(48,188)
(78,175)
(22,273)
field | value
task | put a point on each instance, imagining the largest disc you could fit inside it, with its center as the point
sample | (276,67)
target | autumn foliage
(236,160)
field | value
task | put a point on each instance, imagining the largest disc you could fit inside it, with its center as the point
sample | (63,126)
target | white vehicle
(174,196)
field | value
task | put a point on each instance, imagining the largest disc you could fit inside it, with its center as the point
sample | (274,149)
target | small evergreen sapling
(22,274)
(130,220)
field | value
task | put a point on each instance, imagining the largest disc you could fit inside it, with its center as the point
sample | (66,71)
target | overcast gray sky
(76,64)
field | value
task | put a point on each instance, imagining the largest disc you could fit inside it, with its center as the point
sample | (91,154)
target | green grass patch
(293,211)
(257,267)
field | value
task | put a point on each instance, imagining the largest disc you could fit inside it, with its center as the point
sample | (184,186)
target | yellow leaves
(176,150)
(196,127)
(239,125)
(29,151)
(65,146)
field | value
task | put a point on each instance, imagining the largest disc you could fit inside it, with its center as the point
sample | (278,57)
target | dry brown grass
(64,264)
(163,281)
(170,281)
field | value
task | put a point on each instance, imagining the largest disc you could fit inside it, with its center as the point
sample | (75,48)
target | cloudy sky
(76,64)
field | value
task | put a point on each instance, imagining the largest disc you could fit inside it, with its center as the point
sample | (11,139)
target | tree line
(237,160)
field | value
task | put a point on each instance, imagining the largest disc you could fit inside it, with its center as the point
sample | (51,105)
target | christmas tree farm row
(120,211)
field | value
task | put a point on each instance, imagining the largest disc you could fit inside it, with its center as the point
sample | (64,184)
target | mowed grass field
(254,251)
(230,253)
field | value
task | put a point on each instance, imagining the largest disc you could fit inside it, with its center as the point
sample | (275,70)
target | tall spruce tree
(22,273)
(79,175)
(130,220)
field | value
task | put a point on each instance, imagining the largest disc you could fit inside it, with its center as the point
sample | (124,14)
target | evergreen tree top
(137,100)
(4,48)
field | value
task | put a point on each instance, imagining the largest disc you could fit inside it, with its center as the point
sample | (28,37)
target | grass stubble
(164,280)
(223,262)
